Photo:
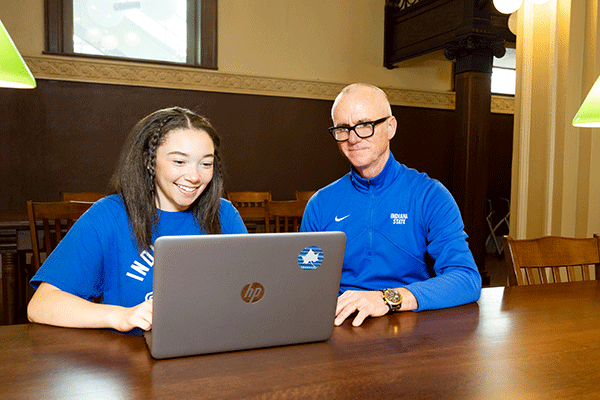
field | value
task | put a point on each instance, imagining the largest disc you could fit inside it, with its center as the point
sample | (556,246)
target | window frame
(58,29)
(506,68)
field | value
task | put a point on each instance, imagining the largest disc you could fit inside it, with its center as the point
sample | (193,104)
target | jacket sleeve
(457,280)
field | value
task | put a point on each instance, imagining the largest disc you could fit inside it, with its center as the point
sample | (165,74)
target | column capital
(474,52)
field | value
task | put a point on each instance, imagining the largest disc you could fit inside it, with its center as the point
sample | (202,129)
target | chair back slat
(57,232)
(552,259)
(286,224)
(81,196)
(543,275)
(571,273)
(287,214)
(586,273)
(304,194)
(251,206)
(556,274)
(47,241)
(55,218)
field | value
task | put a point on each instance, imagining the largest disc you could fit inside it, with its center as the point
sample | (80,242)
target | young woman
(168,182)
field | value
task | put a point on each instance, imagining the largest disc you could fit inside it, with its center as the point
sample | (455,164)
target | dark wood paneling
(424,140)
(500,158)
(66,136)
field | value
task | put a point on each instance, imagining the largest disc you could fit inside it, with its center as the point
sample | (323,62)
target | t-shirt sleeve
(231,221)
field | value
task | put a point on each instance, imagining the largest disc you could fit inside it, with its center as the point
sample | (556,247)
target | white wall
(335,42)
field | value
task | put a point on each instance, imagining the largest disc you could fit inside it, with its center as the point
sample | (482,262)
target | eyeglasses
(362,130)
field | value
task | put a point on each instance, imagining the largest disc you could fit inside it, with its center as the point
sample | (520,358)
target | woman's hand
(52,306)
(125,319)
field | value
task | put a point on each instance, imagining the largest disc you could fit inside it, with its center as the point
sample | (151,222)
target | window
(169,31)
(504,73)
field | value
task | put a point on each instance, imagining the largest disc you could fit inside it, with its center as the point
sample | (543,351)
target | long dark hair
(135,178)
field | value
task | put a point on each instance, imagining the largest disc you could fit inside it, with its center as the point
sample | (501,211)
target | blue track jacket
(403,229)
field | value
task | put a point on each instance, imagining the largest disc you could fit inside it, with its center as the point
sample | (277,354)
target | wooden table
(532,342)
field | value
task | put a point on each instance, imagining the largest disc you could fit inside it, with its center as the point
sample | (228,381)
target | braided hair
(135,177)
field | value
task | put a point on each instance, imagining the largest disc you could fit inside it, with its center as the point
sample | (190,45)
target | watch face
(393,296)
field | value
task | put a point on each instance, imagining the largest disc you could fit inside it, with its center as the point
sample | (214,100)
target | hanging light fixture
(507,6)
(513,22)
(13,70)
(588,115)
(510,6)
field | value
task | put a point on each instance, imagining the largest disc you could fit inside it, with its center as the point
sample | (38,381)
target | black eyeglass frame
(353,128)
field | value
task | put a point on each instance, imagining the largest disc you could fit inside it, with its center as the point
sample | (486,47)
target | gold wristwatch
(392,298)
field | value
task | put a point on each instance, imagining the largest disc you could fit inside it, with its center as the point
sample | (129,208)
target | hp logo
(252,292)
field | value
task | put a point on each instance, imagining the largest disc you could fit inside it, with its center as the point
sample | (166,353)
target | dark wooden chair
(552,259)
(287,214)
(56,218)
(251,206)
(81,196)
(304,194)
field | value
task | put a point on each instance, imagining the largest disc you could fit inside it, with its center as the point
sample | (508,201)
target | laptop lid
(216,293)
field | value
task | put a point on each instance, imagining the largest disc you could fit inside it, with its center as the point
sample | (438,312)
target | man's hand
(367,303)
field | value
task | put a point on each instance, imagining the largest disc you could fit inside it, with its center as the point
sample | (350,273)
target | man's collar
(378,180)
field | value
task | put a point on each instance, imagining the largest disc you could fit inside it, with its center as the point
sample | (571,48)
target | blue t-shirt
(99,255)
(403,229)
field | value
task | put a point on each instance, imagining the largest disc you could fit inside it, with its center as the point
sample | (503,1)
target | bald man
(406,247)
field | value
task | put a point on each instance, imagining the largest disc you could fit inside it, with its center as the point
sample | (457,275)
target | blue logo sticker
(310,258)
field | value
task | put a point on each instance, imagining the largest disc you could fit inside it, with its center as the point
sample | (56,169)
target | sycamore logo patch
(310,258)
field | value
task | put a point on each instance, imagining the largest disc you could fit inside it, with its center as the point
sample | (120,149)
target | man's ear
(392,124)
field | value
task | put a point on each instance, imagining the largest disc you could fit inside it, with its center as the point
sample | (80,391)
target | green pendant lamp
(13,70)
(588,115)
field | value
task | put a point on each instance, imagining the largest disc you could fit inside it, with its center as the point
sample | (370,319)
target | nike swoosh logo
(341,219)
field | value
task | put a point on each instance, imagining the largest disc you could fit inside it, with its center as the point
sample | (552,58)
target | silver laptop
(217,293)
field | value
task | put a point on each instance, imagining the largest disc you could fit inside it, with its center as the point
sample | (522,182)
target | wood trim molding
(175,77)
